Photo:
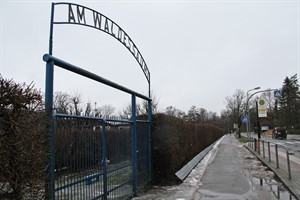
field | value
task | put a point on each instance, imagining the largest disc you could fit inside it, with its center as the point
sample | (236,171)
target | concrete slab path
(228,172)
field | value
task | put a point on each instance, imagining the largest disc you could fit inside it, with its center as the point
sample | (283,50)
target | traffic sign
(244,119)
(261,108)
(277,93)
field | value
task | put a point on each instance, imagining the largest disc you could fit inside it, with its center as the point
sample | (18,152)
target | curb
(186,169)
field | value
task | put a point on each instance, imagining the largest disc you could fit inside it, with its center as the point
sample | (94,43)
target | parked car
(279,132)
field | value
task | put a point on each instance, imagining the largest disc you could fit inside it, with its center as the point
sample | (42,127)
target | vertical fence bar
(149,139)
(134,146)
(248,143)
(276,154)
(263,146)
(104,160)
(258,146)
(288,162)
(269,152)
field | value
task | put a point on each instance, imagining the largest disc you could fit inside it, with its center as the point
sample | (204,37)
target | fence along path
(280,161)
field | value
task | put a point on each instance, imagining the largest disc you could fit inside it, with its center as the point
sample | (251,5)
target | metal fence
(276,154)
(96,157)
(281,160)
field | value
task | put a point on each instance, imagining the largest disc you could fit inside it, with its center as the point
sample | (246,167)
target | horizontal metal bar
(70,184)
(98,174)
(98,197)
(92,118)
(76,116)
(142,121)
(119,120)
(83,72)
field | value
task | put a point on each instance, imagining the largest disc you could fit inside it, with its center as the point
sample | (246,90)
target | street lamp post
(248,120)
(247,107)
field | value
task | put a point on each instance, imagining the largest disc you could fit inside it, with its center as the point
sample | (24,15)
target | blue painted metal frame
(65,65)
(53,61)
(48,106)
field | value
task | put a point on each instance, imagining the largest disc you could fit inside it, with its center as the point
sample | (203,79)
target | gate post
(134,146)
(49,185)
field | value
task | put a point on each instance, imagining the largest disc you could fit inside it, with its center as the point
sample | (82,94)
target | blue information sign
(244,119)
(277,93)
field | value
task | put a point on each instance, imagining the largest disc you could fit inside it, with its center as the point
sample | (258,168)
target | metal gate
(96,157)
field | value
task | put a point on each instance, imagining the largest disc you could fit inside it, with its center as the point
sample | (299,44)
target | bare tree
(61,102)
(75,101)
(88,109)
(143,108)
(173,111)
(65,103)
(203,115)
(192,114)
(106,110)
(127,111)
(235,106)
(212,116)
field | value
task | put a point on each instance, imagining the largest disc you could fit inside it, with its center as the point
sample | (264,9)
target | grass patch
(243,139)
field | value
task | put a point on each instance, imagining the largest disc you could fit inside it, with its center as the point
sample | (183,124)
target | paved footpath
(229,171)
(234,173)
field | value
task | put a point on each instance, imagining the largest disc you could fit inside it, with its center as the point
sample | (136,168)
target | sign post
(261,107)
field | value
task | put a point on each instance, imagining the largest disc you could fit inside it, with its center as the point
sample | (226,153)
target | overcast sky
(198,52)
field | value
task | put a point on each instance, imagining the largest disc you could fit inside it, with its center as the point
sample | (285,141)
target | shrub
(175,142)
(23,141)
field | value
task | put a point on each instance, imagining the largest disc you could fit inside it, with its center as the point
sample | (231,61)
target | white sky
(198,52)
